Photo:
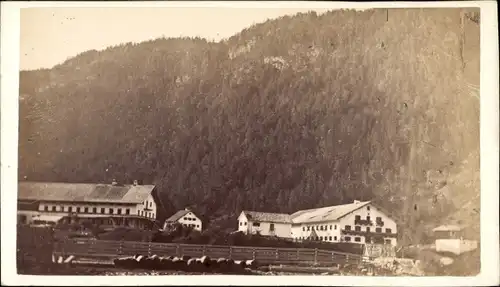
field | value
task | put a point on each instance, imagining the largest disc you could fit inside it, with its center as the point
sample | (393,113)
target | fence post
(149,249)
(253,254)
(203,250)
(298,254)
(230,252)
(277,254)
(315,255)
(177,250)
(120,248)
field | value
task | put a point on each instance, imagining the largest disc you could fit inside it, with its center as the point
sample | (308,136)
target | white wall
(324,231)
(190,219)
(283,230)
(455,246)
(373,212)
(243,223)
(147,208)
(117,209)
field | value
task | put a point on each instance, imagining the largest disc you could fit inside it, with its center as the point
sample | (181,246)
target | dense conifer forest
(298,112)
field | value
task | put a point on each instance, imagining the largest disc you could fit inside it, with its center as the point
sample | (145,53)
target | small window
(368,208)
(335,238)
(357,228)
(241,223)
(348,227)
(321,238)
(119,211)
(138,212)
(321,227)
(335,227)
(271,227)
(53,208)
(304,228)
(46,208)
(198,226)
(111,211)
(78,209)
(331,227)
(347,238)
(71,209)
(368,218)
(256,224)
(378,229)
(367,229)
(245,223)
(127,211)
(330,238)
(95,209)
(185,218)
(152,215)
(387,241)
(379,219)
(86,210)
(150,204)
(388,230)
(309,228)
(357,239)
(103,210)
(358,217)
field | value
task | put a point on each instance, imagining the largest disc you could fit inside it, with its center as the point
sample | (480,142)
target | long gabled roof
(178,215)
(83,192)
(267,217)
(328,213)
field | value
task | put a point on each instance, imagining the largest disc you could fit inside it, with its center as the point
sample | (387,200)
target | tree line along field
(294,113)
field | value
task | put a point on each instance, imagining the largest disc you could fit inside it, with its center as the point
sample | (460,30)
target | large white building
(186,218)
(357,222)
(107,205)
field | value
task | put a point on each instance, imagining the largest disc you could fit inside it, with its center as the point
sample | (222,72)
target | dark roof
(177,215)
(83,192)
(268,217)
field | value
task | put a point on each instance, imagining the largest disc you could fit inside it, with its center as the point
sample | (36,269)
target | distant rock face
(294,113)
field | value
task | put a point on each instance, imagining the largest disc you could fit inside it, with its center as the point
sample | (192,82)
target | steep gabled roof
(83,192)
(268,217)
(178,215)
(328,213)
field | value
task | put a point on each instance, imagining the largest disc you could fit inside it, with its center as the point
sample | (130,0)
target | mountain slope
(293,113)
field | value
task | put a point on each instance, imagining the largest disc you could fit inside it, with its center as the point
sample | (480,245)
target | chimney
(136,182)
(114,182)
(187,209)
(356,201)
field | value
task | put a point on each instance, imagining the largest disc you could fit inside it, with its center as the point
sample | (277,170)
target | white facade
(145,209)
(191,220)
(265,228)
(188,219)
(366,224)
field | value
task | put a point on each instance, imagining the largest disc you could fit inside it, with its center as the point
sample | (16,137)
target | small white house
(267,224)
(185,217)
(450,238)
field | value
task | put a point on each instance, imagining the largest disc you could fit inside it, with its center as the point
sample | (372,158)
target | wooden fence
(88,248)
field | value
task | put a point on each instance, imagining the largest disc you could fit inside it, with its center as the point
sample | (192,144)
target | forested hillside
(299,112)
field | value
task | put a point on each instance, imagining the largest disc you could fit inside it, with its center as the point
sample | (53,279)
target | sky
(49,36)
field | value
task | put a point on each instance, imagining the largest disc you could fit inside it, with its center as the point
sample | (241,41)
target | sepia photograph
(258,141)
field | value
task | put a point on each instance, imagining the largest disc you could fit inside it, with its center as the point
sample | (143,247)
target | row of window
(189,219)
(319,227)
(358,228)
(191,225)
(320,238)
(95,210)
